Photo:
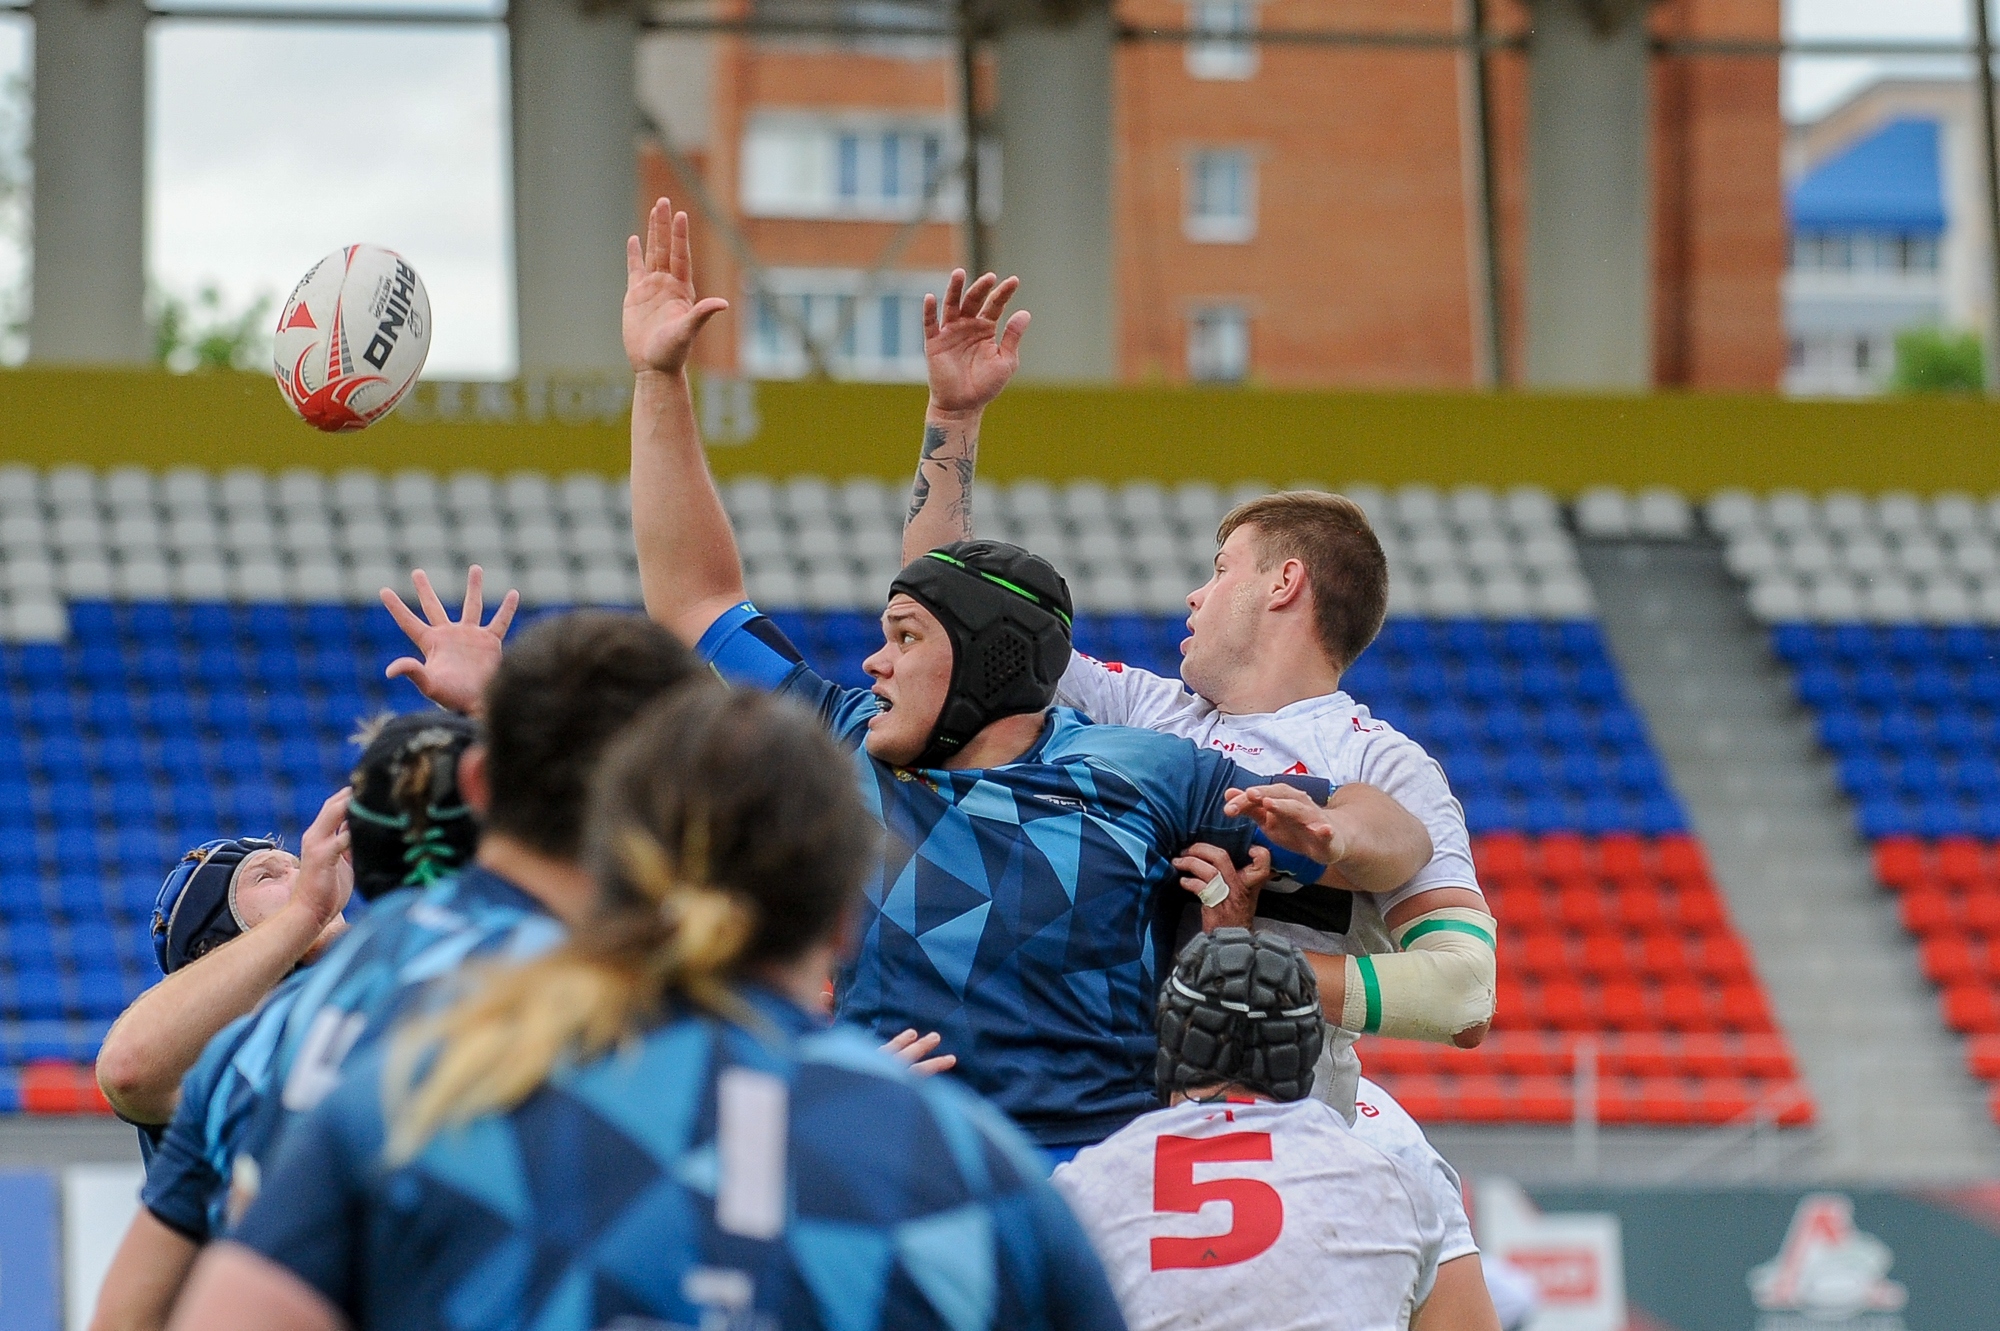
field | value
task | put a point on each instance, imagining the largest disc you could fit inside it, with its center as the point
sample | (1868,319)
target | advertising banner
(1769,1259)
(98,1204)
(30,1270)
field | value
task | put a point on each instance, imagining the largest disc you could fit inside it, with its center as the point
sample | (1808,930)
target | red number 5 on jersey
(1257,1213)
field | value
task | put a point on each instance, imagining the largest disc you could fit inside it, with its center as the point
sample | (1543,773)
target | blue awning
(1886,181)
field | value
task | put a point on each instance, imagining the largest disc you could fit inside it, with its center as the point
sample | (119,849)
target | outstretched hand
(969,354)
(326,873)
(459,657)
(1292,819)
(662,315)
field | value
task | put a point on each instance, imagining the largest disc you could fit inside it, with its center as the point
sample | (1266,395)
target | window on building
(1864,252)
(1225,55)
(797,165)
(861,330)
(1797,358)
(1221,196)
(1218,349)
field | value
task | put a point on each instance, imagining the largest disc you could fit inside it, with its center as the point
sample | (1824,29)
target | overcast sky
(263,158)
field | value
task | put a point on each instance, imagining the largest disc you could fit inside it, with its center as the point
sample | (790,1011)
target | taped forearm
(1440,984)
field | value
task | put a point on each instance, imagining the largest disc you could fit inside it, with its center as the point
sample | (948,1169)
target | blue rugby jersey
(1020,911)
(295,1052)
(789,1176)
(187,1176)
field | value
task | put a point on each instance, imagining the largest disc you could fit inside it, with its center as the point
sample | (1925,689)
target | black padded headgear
(1008,614)
(409,823)
(1240,1008)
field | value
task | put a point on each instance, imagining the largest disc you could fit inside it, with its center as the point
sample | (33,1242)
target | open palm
(662,315)
(458,656)
(970,356)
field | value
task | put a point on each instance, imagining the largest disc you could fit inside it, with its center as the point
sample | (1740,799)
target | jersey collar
(477,881)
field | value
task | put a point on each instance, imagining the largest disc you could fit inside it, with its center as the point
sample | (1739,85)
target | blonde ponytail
(490,1052)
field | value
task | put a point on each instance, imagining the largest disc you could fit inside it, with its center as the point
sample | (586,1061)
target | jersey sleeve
(1114,694)
(747,649)
(1430,1220)
(1398,767)
(308,1213)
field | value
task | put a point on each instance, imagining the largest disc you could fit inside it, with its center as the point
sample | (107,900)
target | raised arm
(156,1040)
(969,355)
(689,572)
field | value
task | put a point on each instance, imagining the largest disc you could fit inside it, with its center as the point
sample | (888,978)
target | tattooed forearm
(920,491)
(944,469)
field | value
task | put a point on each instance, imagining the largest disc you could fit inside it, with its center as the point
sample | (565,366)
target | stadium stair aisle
(1894,1096)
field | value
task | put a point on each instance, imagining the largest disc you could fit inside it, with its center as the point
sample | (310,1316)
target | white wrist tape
(1214,894)
(1442,983)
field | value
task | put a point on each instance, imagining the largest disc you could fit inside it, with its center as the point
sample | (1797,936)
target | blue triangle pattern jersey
(1021,911)
(706,1174)
(267,1068)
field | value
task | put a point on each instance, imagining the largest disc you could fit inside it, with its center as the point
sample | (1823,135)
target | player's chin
(885,743)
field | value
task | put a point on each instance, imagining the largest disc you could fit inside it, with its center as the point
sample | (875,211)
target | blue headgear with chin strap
(195,911)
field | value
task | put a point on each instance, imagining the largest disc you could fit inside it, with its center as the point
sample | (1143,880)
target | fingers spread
(1010,336)
(405,665)
(427,597)
(635,260)
(954,292)
(405,618)
(996,299)
(504,616)
(475,578)
(930,316)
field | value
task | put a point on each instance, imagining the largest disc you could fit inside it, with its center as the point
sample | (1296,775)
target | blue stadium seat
(109,710)
(70,802)
(211,622)
(80,895)
(1921,775)
(20,894)
(19,850)
(1865,777)
(1504,726)
(277,668)
(101,666)
(1820,685)
(120,754)
(34,994)
(139,846)
(329,626)
(95,623)
(284,711)
(338,713)
(39,665)
(100,992)
(151,621)
(51,709)
(60,754)
(138,891)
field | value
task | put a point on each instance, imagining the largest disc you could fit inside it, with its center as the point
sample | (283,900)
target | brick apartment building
(1294,214)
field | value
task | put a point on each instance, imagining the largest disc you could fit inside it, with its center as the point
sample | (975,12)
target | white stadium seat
(1731,512)
(1945,603)
(1833,598)
(203,579)
(1530,509)
(131,580)
(1954,513)
(303,489)
(528,494)
(1086,504)
(257,580)
(1889,600)
(805,497)
(1973,557)
(20,488)
(1919,555)
(1791,511)
(1604,512)
(1419,506)
(130,488)
(73,488)
(1775,598)
(244,488)
(1809,554)
(1662,514)
(1847,511)
(1566,597)
(415,493)
(1505,597)
(315,580)
(1142,504)
(471,494)
(358,491)
(1472,506)
(40,620)
(1449,595)
(1863,555)
(1899,511)
(90,578)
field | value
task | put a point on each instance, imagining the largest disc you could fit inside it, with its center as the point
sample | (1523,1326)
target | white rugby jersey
(1256,1216)
(1330,736)
(1388,1127)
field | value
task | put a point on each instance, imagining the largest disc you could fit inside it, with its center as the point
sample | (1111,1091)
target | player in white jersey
(1323,1230)
(1300,589)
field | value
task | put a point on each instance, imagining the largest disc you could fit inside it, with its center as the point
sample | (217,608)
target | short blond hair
(1344,564)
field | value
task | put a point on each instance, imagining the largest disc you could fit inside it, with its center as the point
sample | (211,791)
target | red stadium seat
(1701,908)
(1680,859)
(1642,906)
(1565,1006)
(1622,1006)
(1722,957)
(51,1087)
(1544,952)
(1501,853)
(1981,910)
(1743,1008)
(1900,862)
(1664,954)
(1583,907)
(1962,861)
(1928,909)
(1982,1055)
(1684,1006)
(1972,1009)
(1564,855)
(1949,959)
(1622,855)
(1542,1100)
(1605,956)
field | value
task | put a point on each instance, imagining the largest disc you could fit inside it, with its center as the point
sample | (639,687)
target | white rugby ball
(352,337)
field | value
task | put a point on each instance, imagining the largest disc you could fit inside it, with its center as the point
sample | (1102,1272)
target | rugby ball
(351,338)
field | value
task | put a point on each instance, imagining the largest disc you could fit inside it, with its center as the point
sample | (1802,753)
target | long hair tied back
(726,831)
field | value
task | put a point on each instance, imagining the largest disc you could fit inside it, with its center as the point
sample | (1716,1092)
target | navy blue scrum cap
(195,911)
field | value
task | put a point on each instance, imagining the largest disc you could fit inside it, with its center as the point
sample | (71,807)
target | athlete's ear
(472,780)
(1290,585)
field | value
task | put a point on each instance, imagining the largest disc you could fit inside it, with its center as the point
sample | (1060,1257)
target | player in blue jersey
(1029,889)
(569,685)
(651,1126)
(239,891)
(157,1250)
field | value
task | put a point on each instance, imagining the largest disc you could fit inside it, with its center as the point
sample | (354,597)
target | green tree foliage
(202,333)
(1932,360)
